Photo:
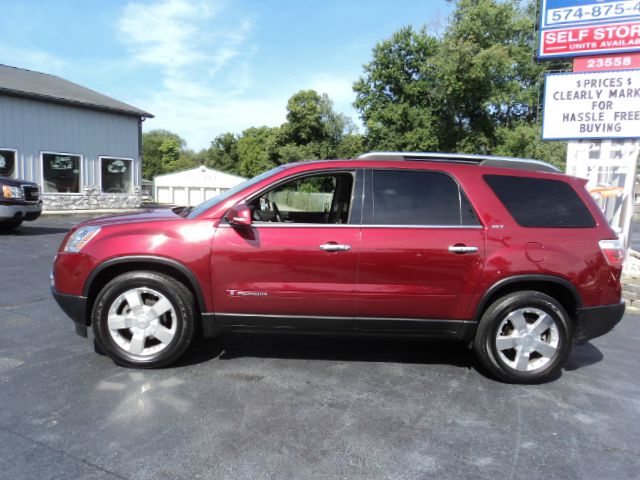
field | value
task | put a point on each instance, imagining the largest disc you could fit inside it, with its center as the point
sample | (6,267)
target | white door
(163,195)
(179,196)
(195,196)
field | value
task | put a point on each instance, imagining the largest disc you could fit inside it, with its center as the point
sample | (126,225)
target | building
(82,147)
(193,186)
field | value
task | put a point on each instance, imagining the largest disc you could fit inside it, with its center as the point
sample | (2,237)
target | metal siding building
(50,125)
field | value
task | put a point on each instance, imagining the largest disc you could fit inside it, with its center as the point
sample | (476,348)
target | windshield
(203,207)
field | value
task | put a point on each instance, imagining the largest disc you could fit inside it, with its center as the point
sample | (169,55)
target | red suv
(508,255)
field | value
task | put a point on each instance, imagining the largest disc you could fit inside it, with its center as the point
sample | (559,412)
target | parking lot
(289,407)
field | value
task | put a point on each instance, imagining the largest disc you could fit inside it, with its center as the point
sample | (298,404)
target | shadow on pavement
(356,349)
(307,347)
(32,231)
(583,356)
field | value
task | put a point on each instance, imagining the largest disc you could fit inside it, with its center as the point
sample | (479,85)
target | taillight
(613,251)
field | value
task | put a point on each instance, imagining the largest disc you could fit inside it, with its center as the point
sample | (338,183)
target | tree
(396,96)
(256,150)
(314,130)
(223,154)
(462,91)
(304,118)
(524,141)
(161,149)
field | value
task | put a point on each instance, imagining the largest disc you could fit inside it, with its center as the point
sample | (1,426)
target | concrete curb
(92,212)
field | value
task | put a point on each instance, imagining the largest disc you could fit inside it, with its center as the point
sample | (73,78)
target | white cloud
(167,33)
(199,121)
(205,62)
(204,67)
(339,89)
(32,59)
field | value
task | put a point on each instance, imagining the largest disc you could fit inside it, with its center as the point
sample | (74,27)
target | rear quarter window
(541,202)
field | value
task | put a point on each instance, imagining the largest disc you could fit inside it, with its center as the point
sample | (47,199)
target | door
(295,267)
(422,251)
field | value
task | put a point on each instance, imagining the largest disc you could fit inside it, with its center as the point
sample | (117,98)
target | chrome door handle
(334,247)
(462,249)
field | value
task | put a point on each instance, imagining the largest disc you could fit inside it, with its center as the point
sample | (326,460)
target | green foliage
(524,141)
(160,149)
(396,98)
(304,117)
(474,89)
(256,150)
(223,154)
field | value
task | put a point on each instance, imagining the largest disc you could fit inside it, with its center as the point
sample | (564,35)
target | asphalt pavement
(287,407)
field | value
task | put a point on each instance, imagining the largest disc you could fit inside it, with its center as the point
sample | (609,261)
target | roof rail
(483,160)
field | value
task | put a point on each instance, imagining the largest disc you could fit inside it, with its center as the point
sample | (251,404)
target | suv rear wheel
(524,337)
(144,319)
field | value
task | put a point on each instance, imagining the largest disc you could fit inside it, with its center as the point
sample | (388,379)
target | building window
(117,175)
(61,173)
(7,162)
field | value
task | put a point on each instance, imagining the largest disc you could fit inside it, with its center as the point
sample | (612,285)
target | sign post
(598,108)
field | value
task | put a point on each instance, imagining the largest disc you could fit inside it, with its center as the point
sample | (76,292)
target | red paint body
(388,272)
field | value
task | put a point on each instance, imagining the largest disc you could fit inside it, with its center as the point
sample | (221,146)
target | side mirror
(239,216)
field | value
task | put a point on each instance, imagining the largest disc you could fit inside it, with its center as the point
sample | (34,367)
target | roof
(483,160)
(198,177)
(49,88)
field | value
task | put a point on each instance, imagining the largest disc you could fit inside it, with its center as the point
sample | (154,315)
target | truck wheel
(10,225)
(524,337)
(144,319)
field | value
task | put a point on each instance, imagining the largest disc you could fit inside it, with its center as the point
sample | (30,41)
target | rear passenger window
(539,202)
(404,197)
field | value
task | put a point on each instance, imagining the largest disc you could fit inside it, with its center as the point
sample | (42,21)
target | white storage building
(191,187)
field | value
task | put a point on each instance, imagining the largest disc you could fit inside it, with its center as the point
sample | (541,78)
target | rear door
(422,251)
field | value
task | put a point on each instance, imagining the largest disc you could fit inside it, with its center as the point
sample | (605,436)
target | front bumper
(75,306)
(10,211)
(596,321)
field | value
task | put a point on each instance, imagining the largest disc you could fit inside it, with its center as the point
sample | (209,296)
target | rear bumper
(75,307)
(596,321)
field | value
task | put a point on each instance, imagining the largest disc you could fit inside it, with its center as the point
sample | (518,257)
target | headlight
(12,192)
(80,238)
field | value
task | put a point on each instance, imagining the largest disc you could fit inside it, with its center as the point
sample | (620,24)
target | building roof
(49,88)
(198,177)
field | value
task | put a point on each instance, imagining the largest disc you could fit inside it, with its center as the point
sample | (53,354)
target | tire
(10,225)
(524,337)
(144,319)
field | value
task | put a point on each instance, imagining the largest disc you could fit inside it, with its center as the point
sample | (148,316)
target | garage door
(195,196)
(209,193)
(163,195)
(179,196)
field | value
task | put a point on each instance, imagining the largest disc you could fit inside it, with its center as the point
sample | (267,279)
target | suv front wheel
(524,337)
(144,319)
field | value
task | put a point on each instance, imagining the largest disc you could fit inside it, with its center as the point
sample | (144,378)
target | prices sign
(570,28)
(592,105)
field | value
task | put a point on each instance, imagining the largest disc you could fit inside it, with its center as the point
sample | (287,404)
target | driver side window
(312,199)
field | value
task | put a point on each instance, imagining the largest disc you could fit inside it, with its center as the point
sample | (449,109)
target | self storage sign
(592,105)
(570,28)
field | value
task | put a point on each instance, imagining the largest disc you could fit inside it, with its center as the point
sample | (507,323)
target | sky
(206,67)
